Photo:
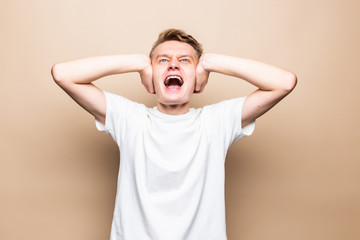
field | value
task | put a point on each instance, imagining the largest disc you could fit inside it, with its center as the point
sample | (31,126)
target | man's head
(174,58)
(177,35)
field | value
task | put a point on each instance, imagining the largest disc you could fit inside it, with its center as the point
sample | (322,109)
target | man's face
(174,67)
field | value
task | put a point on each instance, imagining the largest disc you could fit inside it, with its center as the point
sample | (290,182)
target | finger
(152,88)
(197,87)
(203,85)
(201,88)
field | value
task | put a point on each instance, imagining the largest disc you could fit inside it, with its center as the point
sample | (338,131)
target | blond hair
(177,35)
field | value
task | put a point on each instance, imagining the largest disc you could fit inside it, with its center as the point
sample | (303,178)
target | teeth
(174,76)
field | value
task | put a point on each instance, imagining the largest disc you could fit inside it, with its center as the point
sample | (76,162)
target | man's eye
(163,60)
(184,60)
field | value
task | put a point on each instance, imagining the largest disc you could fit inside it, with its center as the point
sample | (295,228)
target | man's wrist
(138,62)
(207,62)
(202,63)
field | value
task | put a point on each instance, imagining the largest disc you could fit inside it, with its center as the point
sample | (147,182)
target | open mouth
(173,81)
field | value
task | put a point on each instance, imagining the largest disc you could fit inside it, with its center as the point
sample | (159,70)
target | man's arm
(76,77)
(273,83)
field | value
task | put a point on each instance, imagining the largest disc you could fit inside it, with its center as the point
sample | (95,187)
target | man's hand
(146,75)
(202,76)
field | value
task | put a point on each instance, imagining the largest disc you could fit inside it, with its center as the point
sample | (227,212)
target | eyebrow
(167,55)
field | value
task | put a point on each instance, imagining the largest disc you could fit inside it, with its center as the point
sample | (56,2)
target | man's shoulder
(117,99)
(224,104)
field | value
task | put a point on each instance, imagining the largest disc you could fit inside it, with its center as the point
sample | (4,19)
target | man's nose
(173,64)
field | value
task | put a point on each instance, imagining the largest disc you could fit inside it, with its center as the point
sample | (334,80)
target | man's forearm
(89,69)
(261,75)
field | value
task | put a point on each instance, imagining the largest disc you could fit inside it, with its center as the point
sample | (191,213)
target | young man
(171,177)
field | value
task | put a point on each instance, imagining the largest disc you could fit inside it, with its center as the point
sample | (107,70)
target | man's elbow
(57,73)
(290,82)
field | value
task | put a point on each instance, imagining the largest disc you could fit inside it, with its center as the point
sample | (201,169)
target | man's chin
(173,101)
(173,98)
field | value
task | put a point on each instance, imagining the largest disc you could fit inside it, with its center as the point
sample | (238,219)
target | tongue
(173,86)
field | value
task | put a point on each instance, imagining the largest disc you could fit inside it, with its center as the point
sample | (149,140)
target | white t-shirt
(171,177)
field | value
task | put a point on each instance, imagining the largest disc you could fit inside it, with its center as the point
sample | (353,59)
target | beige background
(296,178)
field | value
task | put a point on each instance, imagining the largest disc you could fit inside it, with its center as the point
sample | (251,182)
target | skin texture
(173,58)
(273,83)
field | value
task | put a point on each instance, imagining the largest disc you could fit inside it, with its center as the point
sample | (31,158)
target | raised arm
(76,77)
(273,83)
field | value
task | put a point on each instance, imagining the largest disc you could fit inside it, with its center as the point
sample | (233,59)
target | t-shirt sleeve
(118,112)
(240,132)
(226,120)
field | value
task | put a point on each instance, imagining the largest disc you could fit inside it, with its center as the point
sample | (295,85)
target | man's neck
(177,109)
